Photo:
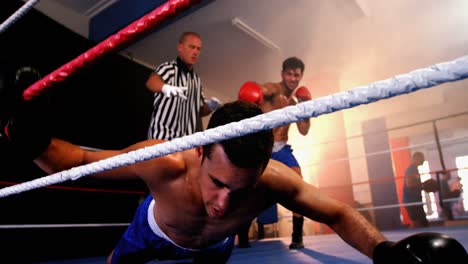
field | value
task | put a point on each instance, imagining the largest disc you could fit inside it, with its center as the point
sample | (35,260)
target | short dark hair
(186,34)
(248,151)
(293,63)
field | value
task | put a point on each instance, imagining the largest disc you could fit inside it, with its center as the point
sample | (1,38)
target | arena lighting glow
(253,33)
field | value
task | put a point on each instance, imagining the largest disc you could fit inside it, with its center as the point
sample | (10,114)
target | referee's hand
(170,91)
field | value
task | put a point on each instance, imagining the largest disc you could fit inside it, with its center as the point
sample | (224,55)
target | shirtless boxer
(273,96)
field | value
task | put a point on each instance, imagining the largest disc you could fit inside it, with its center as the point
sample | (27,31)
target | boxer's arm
(303,198)
(62,155)
(303,126)
(269,90)
(302,94)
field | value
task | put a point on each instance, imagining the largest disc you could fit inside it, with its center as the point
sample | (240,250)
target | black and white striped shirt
(176,117)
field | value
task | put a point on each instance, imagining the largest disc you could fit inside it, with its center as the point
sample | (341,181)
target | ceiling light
(253,33)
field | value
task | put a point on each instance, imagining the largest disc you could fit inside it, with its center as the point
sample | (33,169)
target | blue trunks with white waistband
(144,241)
(285,156)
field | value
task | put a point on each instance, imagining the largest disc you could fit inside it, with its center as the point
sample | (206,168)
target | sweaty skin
(202,201)
(277,96)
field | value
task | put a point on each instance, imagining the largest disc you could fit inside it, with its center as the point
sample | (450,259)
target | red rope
(112,43)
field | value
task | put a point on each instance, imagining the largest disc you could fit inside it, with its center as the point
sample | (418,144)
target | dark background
(104,105)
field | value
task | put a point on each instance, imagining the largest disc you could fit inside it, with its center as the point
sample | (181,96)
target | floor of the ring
(318,249)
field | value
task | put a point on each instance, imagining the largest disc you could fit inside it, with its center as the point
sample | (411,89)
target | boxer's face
(291,78)
(222,183)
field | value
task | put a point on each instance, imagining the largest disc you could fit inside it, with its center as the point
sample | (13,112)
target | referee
(179,102)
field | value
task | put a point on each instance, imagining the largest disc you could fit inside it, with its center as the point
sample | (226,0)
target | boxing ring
(318,248)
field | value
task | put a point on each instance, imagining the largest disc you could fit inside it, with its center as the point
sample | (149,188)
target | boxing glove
(25,125)
(428,247)
(251,92)
(302,94)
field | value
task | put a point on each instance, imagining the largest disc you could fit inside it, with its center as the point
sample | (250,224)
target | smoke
(400,36)
(367,40)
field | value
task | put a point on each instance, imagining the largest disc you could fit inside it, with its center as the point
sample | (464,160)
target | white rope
(401,84)
(17,15)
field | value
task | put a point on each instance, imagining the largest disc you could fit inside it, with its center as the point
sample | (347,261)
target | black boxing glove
(429,247)
(24,123)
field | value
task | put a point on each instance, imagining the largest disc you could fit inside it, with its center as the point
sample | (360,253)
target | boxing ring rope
(128,34)
(17,15)
(398,205)
(401,84)
(331,162)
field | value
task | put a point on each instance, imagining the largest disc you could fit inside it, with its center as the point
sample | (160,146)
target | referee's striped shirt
(176,117)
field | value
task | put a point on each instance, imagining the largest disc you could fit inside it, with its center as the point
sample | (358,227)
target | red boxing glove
(302,94)
(251,92)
